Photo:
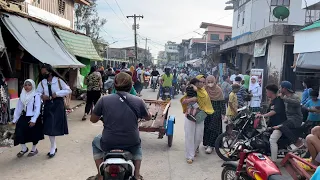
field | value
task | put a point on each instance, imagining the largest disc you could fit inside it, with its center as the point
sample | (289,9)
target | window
(61,6)
(227,37)
(238,23)
(243,14)
(214,36)
(280,2)
(274,4)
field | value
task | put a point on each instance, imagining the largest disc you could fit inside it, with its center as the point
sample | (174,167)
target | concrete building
(261,40)
(55,11)
(171,51)
(114,56)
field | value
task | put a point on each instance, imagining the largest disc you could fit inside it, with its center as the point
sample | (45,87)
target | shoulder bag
(128,104)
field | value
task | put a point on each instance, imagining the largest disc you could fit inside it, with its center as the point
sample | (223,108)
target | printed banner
(259,74)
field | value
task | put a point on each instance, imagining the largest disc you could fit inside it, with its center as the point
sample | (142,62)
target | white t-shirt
(233,77)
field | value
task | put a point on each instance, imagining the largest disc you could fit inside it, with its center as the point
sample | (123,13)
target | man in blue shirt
(306,96)
(314,103)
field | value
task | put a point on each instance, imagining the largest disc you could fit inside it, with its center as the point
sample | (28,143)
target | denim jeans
(161,91)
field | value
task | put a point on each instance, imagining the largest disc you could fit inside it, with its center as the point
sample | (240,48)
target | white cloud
(163,20)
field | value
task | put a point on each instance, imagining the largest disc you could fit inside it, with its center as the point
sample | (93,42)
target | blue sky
(164,20)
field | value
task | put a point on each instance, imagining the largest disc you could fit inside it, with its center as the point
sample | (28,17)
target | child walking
(28,127)
(233,103)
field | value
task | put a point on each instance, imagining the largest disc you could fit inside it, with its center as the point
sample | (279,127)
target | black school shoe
(52,155)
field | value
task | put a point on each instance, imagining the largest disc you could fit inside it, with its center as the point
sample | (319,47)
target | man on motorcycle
(120,113)
(166,81)
(155,73)
(276,114)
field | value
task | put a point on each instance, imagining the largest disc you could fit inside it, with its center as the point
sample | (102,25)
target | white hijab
(25,96)
(255,85)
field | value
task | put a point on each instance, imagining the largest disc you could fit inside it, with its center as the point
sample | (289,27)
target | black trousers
(92,99)
(286,130)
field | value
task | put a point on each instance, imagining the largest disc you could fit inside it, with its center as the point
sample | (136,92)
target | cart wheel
(170,138)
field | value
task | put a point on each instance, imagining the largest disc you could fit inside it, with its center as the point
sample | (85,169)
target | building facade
(55,11)
(171,51)
(260,40)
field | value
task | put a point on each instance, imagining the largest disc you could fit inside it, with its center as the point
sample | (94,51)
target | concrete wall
(305,41)
(276,57)
(241,29)
(258,15)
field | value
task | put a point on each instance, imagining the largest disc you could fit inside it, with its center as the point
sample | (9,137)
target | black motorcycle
(252,131)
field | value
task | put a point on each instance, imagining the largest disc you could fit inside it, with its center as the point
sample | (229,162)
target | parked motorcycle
(117,165)
(248,129)
(251,166)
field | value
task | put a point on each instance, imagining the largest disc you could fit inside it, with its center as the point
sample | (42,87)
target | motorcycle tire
(227,169)
(218,145)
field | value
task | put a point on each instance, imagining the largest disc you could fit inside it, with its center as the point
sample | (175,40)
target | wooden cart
(160,121)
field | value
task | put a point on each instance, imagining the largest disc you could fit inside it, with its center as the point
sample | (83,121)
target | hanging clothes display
(5,115)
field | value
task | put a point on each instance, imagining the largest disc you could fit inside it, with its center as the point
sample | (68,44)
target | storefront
(29,44)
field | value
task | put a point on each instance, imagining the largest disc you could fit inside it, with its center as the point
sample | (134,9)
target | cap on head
(287,85)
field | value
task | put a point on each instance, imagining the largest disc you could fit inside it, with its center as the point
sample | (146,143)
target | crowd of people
(207,104)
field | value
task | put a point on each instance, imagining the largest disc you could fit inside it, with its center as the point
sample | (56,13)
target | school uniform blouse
(62,91)
(33,109)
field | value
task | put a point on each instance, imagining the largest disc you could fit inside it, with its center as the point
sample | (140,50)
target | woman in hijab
(26,117)
(256,92)
(53,89)
(194,129)
(213,122)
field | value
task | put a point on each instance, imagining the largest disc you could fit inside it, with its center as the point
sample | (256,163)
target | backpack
(60,87)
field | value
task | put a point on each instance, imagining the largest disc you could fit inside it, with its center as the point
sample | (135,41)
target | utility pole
(145,50)
(135,33)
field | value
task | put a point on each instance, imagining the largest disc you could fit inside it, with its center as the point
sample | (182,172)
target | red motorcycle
(251,166)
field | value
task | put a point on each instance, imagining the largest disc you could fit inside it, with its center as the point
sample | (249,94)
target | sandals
(33,153)
(140,178)
(21,153)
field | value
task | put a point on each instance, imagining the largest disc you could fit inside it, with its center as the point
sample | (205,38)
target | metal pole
(206,43)
(135,33)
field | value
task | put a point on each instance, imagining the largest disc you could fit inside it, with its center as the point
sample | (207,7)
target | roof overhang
(205,25)
(272,30)
(84,2)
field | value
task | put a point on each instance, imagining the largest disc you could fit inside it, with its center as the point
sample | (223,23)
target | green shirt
(246,81)
(132,91)
(167,80)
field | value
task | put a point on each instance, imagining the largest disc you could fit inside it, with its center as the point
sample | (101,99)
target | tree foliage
(88,21)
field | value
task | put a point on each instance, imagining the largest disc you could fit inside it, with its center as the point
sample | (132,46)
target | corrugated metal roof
(312,26)
(79,45)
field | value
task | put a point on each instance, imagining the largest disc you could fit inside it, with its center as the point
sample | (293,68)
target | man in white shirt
(237,74)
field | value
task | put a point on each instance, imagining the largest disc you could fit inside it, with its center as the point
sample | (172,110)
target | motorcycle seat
(278,177)
(119,154)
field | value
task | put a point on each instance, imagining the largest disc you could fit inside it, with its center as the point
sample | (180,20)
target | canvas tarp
(40,42)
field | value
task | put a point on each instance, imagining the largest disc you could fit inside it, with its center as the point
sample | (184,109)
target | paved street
(74,157)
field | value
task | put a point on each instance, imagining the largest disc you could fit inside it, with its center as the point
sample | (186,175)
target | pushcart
(161,122)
